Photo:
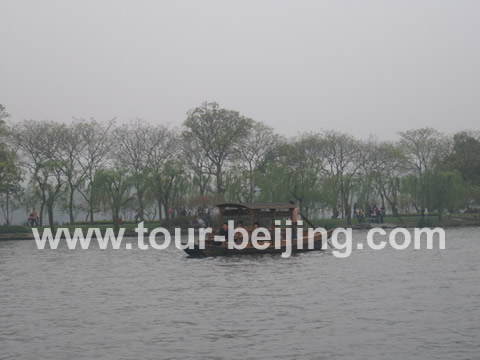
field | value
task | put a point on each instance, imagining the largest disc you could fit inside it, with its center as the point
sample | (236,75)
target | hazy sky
(357,66)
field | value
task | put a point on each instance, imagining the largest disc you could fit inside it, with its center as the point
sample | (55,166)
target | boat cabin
(250,213)
(265,214)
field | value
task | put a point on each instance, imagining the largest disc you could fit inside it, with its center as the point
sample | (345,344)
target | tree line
(97,167)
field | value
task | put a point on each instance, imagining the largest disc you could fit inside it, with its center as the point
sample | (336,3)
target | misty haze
(219,121)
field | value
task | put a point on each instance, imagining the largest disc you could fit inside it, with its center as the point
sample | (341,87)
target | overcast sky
(364,67)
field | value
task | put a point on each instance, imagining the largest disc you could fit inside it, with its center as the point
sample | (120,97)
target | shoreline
(355,227)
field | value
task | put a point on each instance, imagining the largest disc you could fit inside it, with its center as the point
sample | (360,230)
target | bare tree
(41,145)
(386,162)
(253,150)
(134,145)
(72,148)
(113,186)
(51,184)
(163,149)
(97,143)
(167,184)
(200,165)
(305,163)
(424,149)
(345,158)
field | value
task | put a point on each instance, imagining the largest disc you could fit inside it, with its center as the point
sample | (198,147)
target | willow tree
(253,151)
(96,142)
(304,165)
(465,158)
(444,190)
(112,187)
(168,184)
(134,145)
(72,149)
(216,133)
(385,163)
(11,174)
(166,171)
(273,182)
(424,150)
(11,191)
(199,165)
(52,184)
(345,158)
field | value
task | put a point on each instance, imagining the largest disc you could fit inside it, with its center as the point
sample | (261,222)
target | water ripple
(161,305)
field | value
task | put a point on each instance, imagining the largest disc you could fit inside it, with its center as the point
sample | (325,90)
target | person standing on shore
(382,213)
(33,218)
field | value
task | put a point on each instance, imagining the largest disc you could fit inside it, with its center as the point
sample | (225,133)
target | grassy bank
(407,220)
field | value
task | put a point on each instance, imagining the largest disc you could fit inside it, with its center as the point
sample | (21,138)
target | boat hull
(211,249)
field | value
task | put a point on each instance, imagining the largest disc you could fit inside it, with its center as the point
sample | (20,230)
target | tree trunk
(393,204)
(203,186)
(166,205)
(90,207)
(347,210)
(50,217)
(218,175)
(70,205)
(348,214)
(302,207)
(159,204)
(7,208)
(140,204)
(395,209)
(42,206)
(250,199)
(115,218)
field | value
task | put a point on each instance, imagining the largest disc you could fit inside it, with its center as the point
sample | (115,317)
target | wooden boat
(266,214)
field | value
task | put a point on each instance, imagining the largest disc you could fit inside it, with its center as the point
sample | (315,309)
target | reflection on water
(119,304)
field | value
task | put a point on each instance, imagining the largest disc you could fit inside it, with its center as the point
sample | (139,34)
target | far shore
(390,222)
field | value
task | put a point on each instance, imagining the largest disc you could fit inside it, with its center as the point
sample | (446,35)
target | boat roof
(258,206)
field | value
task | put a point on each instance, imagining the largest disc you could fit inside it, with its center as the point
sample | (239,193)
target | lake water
(118,304)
